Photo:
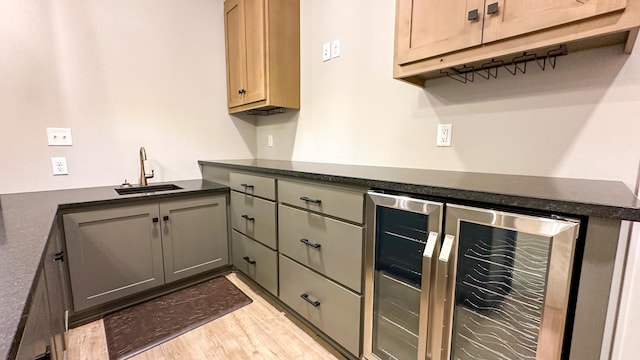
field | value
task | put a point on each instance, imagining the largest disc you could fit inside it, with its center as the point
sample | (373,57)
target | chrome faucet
(143,175)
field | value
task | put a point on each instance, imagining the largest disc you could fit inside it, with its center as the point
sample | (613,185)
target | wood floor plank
(260,330)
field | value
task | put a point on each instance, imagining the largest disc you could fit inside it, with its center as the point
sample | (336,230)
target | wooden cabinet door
(254,11)
(235,40)
(113,253)
(245,34)
(515,17)
(194,236)
(426,28)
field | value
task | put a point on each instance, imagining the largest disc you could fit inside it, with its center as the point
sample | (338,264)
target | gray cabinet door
(194,235)
(52,265)
(36,338)
(113,253)
(255,260)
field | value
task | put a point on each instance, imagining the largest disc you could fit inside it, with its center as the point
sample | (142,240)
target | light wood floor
(259,330)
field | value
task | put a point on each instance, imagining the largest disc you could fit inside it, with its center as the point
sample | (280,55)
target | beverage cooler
(493,285)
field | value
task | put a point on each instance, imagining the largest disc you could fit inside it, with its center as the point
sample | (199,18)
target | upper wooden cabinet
(262,40)
(433,35)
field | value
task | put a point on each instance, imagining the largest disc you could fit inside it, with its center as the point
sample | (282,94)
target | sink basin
(146,189)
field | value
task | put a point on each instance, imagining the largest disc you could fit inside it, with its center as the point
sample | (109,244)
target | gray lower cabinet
(330,307)
(117,252)
(194,236)
(37,341)
(321,244)
(256,261)
(254,238)
(331,247)
(43,336)
(113,253)
(254,217)
(53,260)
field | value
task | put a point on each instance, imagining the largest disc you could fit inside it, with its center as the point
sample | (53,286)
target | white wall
(581,120)
(121,74)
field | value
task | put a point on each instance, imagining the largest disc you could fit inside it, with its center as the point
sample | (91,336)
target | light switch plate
(59,137)
(335,48)
(326,51)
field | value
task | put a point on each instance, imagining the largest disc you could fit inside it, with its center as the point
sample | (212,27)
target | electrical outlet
(335,48)
(59,137)
(326,51)
(59,165)
(269,140)
(444,135)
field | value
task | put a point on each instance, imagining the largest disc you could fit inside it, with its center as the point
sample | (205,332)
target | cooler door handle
(442,306)
(426,298)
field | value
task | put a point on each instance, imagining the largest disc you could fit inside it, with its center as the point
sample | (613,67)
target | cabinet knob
(472,15)
(492,8)
(155,219)
(242,91)
(165,218)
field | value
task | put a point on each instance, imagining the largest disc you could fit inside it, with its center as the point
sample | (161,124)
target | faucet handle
(147,176)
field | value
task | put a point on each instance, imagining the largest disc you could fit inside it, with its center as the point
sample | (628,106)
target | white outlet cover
(335,48)
(443,135)
(59,137)
(59,165)
(326,51)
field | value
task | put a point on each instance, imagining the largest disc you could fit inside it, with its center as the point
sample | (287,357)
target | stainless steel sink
(146,189)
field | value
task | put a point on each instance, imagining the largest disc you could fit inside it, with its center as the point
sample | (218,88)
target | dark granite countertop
(25,223)
(606,199)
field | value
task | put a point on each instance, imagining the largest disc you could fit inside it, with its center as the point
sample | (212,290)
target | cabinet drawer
(254,217)
(256,261)
(333,248)
(337,311)
(339,202)
(254,185)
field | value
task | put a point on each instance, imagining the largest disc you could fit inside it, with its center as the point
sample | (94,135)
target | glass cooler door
(508,284)
(402,244)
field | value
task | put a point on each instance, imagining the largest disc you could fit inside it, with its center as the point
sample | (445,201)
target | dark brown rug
(135,329)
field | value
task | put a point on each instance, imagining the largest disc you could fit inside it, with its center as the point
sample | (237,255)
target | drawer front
(331,247)
(337,311)
(256,261)
(254,217)
(338,202)
(255,185)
